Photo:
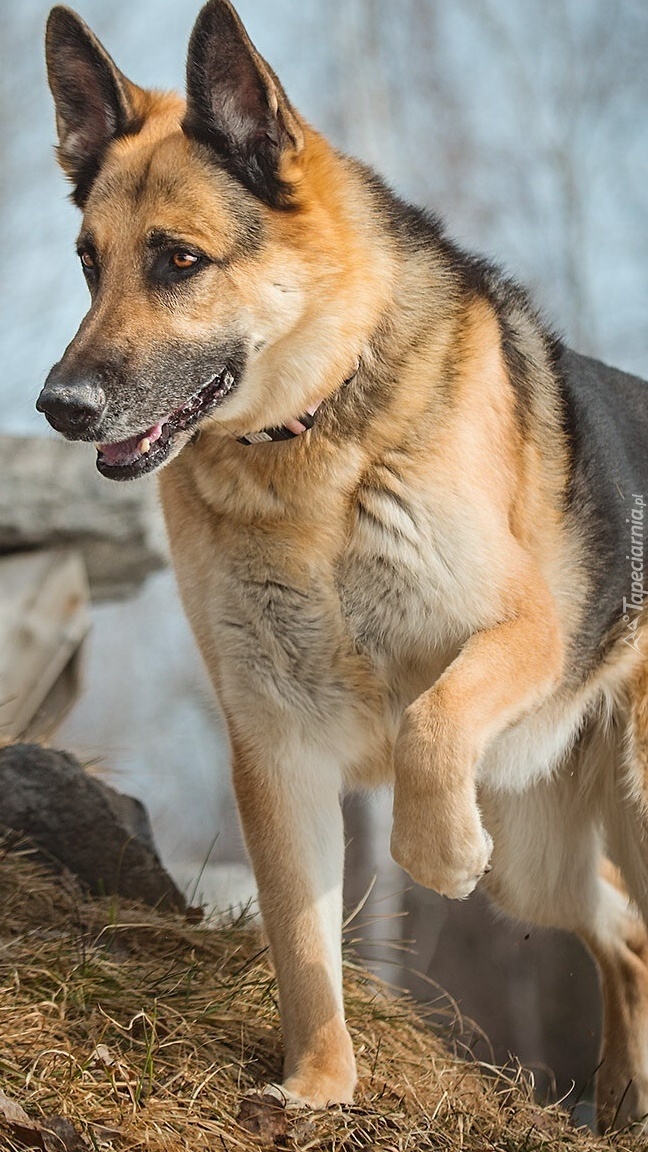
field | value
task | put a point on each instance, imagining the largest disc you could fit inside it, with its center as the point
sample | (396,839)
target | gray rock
(51,495)
(82,824)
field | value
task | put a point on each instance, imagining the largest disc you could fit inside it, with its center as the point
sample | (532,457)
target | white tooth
(144,446)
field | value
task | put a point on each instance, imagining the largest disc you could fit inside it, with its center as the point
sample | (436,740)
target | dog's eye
(184,260)
(171,267)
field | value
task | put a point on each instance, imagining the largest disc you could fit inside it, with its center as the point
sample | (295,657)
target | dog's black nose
(74,408)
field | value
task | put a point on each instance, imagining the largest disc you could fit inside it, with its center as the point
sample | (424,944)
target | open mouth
(134,457)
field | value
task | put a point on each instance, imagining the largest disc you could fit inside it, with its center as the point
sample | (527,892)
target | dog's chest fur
(402,583)
(339,636)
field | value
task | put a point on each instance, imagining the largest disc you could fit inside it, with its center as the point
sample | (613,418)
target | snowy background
(526,126)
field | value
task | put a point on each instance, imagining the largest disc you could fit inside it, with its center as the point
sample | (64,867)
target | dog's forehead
(163,183)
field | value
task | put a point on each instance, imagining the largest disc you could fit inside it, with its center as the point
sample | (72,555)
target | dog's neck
(293,427)
(286,431)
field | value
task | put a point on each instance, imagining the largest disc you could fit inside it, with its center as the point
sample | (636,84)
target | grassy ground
(146,1031)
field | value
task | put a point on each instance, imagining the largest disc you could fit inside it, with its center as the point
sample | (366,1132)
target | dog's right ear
(94,101)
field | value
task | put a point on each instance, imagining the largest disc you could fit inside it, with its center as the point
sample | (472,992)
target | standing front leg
(265,634)
(438,836)
(292,820)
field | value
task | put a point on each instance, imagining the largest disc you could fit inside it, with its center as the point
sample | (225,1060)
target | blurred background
(525,126)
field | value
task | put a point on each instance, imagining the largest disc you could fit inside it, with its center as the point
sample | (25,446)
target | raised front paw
(437,836)
(450,860)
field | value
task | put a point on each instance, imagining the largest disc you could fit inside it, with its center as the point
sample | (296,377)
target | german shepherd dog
(407,524)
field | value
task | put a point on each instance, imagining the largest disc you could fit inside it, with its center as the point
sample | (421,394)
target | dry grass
(145,1031)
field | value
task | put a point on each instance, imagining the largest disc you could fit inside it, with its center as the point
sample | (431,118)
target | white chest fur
(409,597)
(333,654)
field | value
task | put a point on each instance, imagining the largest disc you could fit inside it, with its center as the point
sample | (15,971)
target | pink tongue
(127,451)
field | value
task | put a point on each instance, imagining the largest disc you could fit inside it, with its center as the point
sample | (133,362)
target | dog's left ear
(237,107)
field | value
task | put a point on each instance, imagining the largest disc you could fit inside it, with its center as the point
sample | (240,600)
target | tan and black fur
(427,588)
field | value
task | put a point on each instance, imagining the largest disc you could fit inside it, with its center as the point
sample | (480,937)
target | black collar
(294,427)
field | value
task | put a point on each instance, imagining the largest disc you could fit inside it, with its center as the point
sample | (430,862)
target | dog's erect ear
(236,105)
(93,100)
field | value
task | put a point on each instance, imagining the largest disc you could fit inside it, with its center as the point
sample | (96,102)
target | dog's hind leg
(624,800)
(548,869)
(626,792)
(619,943)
